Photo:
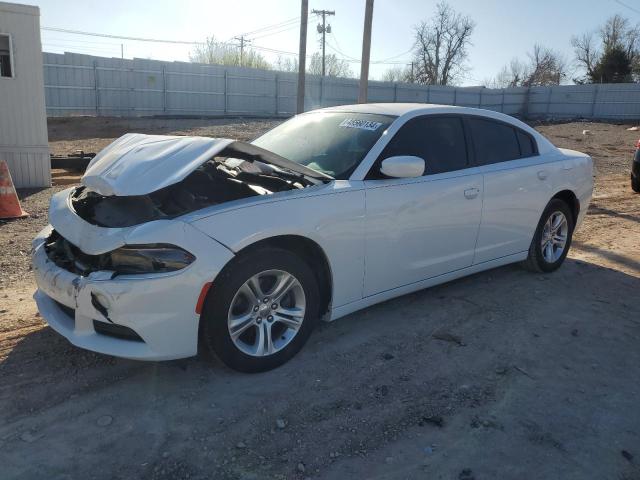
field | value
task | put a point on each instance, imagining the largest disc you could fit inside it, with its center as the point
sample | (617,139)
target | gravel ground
(504,374)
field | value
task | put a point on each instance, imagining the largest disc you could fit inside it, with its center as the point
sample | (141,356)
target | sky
(504,28)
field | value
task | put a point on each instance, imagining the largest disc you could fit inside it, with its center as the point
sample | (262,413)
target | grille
(116,331)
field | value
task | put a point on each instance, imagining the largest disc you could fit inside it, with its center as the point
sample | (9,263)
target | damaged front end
(150,178)
(126,260)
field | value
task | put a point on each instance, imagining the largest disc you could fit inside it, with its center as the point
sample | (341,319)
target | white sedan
(246,246)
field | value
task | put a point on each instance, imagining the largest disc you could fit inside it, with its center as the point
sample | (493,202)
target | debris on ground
(448,337)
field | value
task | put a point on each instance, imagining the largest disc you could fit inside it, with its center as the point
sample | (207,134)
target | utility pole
(242,41)
(122,51)
(324,29)
(366,52)
(302,55)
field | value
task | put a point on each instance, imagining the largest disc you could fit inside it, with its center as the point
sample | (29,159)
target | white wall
(23,123)
(77,84)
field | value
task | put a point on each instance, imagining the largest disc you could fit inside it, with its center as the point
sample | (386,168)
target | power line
(620,2)
(270,27)
(120,37)
(267,34)
(184,42)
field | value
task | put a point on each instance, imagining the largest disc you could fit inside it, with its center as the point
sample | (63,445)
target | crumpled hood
(137,164)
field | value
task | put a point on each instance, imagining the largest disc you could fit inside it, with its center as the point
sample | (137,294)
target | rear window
(494,142)
(527,148)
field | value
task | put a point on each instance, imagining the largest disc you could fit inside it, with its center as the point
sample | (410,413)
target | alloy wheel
(554,237)
(266,313)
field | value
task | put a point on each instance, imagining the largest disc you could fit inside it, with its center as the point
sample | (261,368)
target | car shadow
(595,209)
(42,356)
(413,351)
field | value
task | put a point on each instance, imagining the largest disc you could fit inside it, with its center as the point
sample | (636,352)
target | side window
(494,142)
(439,141)
(527,148)
(6,61)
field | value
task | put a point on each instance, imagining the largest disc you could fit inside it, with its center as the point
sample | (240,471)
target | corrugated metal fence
(78,84)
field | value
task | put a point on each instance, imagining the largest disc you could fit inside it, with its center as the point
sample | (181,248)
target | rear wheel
(552,238)
(635,183)
(261,310)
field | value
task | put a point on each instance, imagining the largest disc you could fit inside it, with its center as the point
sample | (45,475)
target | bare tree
(542,67)
(219,53)
(397,74)
(618,34)
(335,67)
(441,46)
(286,64)
(586,52)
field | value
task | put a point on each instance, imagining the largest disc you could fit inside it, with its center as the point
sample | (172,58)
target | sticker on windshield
(361,124)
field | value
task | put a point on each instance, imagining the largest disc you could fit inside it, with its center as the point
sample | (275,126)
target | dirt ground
(501,375)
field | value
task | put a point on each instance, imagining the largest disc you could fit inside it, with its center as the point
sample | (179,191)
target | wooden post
(366,52)
(302,55)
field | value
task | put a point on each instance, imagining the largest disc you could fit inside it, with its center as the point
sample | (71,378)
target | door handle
(471,193)
(542,174)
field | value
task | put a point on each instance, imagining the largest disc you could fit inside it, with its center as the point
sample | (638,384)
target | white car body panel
(137,164)
(381,238)
(331,215)
(420,228)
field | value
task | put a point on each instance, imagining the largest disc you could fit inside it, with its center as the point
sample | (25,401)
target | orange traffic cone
(9,203)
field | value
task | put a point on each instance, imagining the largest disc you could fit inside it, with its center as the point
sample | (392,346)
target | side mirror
(403,166)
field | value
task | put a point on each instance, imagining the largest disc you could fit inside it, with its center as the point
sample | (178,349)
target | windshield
(333,143)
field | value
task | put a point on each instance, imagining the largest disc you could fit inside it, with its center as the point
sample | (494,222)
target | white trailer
(23,122)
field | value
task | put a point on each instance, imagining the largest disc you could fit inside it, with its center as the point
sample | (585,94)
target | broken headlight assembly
(133,259)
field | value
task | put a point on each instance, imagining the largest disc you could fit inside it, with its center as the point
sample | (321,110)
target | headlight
(149,259)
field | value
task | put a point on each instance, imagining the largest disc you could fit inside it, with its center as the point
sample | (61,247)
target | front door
(419,228)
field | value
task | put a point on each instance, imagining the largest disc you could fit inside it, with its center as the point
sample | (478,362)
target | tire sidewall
(214,326)
(554,205)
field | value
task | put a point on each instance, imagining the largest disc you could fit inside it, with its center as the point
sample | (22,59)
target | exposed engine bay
(230,175)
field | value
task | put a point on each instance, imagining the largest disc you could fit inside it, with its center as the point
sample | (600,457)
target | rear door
(517,186)
(418,228)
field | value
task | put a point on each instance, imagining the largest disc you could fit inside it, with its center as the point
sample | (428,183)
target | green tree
(614,66)
(618,39)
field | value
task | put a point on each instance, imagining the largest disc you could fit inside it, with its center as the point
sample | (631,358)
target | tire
(539,261)
(233,297)
(635,184)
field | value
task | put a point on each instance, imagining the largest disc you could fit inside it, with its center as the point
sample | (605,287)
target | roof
(396,109)
(19,8)
(400,109)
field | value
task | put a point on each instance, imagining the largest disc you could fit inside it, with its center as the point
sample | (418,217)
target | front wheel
(261,310)
(552,238)
(635,183)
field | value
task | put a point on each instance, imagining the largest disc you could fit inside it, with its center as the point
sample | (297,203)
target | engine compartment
(219,180)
